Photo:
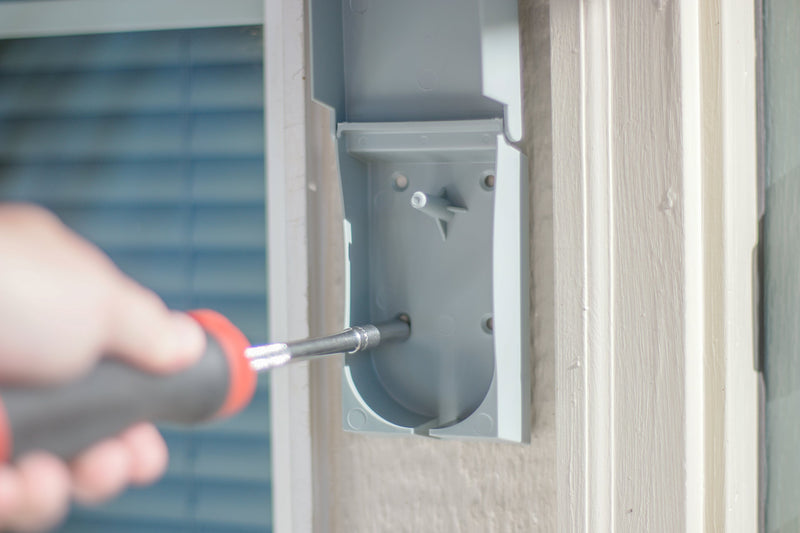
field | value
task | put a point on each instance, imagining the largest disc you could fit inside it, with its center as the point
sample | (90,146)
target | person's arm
(64,304)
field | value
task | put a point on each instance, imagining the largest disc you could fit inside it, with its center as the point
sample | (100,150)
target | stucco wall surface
(376,484)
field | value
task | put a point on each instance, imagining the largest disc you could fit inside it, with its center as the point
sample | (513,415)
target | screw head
(399,181)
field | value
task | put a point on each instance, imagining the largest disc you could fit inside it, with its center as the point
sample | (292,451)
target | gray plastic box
(426,103)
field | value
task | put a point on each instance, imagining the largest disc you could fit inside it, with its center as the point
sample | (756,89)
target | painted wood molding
(655,222)
(740,237)
(285,98)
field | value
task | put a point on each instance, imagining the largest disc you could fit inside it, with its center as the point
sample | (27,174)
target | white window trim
(287,222)
(657,425)
(740,207)
(48,18)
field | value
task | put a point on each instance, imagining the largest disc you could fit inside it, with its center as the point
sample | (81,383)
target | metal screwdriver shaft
(66,418)
(351,340)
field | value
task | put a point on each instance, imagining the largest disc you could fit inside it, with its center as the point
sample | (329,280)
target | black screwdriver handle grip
(66,419)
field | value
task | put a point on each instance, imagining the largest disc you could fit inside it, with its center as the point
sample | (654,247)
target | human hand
(63,304)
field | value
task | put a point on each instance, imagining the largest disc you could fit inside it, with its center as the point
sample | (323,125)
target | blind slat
(169,228)
(137,525)
(132,50)
(136,91)
(234,274)
(239,460)
(200,503)
(239,134)
(238,181)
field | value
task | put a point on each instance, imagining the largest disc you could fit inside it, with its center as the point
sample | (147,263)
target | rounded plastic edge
(242,378)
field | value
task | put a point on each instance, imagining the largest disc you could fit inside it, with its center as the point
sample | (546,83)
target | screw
(488,181)
(487,324)
(399,181)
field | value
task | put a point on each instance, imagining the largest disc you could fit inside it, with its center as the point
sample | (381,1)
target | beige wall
(376,484)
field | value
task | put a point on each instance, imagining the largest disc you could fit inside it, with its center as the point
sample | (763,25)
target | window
(151,145)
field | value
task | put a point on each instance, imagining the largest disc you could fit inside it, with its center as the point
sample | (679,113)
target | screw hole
(487,324)
(488,181)
(399,182)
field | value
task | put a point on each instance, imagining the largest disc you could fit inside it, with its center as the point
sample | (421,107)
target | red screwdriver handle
(67,418)
(242,378)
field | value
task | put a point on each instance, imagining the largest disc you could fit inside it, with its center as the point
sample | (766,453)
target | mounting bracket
(426,99)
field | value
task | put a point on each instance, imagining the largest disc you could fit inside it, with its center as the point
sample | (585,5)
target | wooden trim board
(655,223)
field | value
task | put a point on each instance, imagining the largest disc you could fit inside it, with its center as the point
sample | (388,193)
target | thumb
(142,331)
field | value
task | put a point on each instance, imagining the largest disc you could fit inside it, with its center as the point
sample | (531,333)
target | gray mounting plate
(408,83)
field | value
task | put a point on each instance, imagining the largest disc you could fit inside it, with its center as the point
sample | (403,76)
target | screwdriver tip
(268,356)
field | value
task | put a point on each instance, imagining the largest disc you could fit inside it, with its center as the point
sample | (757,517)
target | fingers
(34,495)
(141,330)
(101,472)
(35,492)
(64,304)
(138,456)
(148,451)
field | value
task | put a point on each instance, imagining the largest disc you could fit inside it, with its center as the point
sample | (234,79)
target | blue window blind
(151,145)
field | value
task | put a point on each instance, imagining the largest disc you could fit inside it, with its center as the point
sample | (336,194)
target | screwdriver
(67,418)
